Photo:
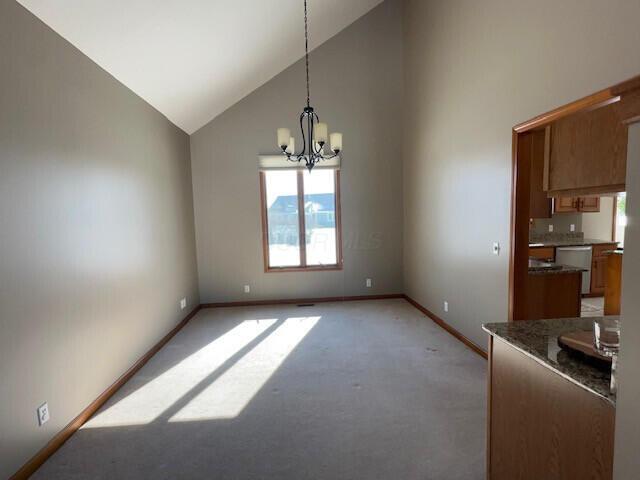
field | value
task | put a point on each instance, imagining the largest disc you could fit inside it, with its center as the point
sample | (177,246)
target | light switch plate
(551,228)
(573,227)
(368,283)
(43,414)
(446,306)
(183,304)
(247,289)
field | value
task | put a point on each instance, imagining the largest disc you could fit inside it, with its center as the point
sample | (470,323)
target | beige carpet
(343,391)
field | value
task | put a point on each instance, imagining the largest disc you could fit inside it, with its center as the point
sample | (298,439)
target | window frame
(303,267)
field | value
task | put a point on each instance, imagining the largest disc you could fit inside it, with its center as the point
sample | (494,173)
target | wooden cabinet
(541,426)
(598,275)
(554,295)
(576,204)
(613,288)
(539,201)
(543,253)
(599,268)
(599,259)
(589,204)
(588,153)
(565,205)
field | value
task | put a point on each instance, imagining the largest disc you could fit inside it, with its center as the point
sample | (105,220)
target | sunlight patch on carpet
(148,402)
(228,395)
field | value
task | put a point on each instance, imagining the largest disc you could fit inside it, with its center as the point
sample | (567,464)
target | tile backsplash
(561,223)
(540,237)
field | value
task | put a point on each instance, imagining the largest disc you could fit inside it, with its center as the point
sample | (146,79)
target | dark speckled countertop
(538,267)
(538,339)
(569,242)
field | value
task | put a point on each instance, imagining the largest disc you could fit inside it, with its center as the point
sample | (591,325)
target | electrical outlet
(496,248)
(551,228)
(446,306)
(43,414)
(183,304)
(572,227)
(247,289)
(368,283)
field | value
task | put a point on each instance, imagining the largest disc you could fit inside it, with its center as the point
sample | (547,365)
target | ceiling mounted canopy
(314,132)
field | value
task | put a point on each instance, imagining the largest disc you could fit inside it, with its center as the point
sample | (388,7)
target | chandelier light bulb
(283,137)
(291,147)
(336,142)
(321,132)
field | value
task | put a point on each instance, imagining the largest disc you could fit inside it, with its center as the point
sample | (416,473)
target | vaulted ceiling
(192,59)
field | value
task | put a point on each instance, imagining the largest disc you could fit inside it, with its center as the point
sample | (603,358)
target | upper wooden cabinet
(587,153)
(589,204)
(576,204)
(539,201)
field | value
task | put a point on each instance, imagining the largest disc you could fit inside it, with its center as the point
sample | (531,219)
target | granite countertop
(538,339)
(572,242)
(540,267)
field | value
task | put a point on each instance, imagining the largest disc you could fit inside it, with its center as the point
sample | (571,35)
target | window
(620,219)
(295,201)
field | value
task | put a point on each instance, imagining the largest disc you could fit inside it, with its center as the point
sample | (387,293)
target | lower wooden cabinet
(543,253)
(598,264)
(613,289)
(541,426)
(553,295)
(599,257)
(598,275)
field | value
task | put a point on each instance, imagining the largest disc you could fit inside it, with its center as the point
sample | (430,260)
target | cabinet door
(543,253)
(588,152)
(589,204)
(539,202)
(542,427)
(598,275)
(565,204)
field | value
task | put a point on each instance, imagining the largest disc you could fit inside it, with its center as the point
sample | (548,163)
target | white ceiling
(192,59)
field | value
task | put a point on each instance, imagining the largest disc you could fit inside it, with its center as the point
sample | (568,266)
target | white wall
(473,70)
(626,460)
(356,86)
(96,240)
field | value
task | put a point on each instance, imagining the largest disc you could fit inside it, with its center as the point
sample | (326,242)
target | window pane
(320,217)
(282,217)
(621,218)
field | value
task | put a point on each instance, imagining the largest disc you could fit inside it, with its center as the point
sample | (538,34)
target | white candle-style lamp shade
(283,137)
(320,132)
(291,147)
(336,142)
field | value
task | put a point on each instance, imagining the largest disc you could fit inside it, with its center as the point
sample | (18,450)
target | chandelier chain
(306,49)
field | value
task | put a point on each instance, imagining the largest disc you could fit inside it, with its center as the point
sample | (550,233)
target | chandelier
(314,132)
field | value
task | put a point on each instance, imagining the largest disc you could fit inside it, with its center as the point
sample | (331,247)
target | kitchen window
(301,219)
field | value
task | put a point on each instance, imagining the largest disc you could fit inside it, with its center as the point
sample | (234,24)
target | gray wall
(473,71)
(356,86)
(626,461)
(97,239)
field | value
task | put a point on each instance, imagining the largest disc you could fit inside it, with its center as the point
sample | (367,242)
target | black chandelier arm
(304,140)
